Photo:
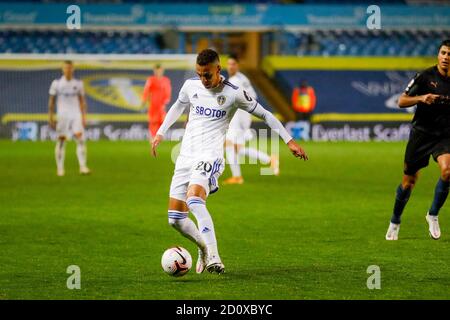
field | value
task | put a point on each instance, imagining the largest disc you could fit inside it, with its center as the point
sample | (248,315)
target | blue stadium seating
(21,41)
(305,43)
(363,42)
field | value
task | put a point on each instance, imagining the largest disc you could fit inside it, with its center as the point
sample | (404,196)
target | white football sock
(81,152)
(60,152)
(233,161)
(205,223)
(255,154)
(180,221)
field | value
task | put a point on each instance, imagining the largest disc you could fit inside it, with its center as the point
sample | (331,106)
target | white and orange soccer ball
(176,261)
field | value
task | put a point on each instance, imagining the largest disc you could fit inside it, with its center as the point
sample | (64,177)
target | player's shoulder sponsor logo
(410,84)
(195,96)
(434,83)
(221,100)
(247,97)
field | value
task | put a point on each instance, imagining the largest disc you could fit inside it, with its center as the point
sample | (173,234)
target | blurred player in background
(211,100)
(239,130)
(430,135)
(67,93)
(303,100)
(157,93)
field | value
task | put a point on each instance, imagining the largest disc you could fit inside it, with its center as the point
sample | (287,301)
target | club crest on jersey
(221,100)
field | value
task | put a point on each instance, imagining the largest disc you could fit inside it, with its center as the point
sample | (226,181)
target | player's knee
(228,143)
(80,142)
(408,185)
(445,173)
(409,182)
(79,135)
(196,190)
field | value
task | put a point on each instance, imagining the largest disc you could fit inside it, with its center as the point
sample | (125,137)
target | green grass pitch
(310,233)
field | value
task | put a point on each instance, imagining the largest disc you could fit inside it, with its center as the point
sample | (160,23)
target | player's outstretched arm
(174,113)
(276,125)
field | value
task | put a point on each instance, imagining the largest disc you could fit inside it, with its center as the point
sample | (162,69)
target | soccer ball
(176,261)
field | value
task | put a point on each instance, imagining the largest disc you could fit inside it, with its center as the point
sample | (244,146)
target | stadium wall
(113,86)
(356,97)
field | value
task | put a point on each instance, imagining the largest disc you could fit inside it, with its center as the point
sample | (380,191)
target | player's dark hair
(158,66)
(234,57)
(68,62)
(445,43)
(207,56)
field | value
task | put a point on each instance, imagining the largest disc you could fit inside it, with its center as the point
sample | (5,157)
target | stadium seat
(50,41)
(363,43)
(409,42)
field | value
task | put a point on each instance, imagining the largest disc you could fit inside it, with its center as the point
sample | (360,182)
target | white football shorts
(201,171)
(66,126)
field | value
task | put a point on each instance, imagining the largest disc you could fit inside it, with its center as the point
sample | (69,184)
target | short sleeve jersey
(210,112)
(67,96)
(434,118)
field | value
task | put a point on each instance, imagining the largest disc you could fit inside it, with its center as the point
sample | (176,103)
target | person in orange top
(157,93)
(303,101)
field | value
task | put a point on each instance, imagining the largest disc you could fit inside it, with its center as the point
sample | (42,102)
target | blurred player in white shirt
(239,130)
(67,93)
(212,101)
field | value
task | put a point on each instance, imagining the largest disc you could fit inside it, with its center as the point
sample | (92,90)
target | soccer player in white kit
(212,101)
(68,95)
(239,130)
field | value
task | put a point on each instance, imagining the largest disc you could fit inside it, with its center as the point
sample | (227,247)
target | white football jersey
(210,112)
(242,120)
(66,93)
